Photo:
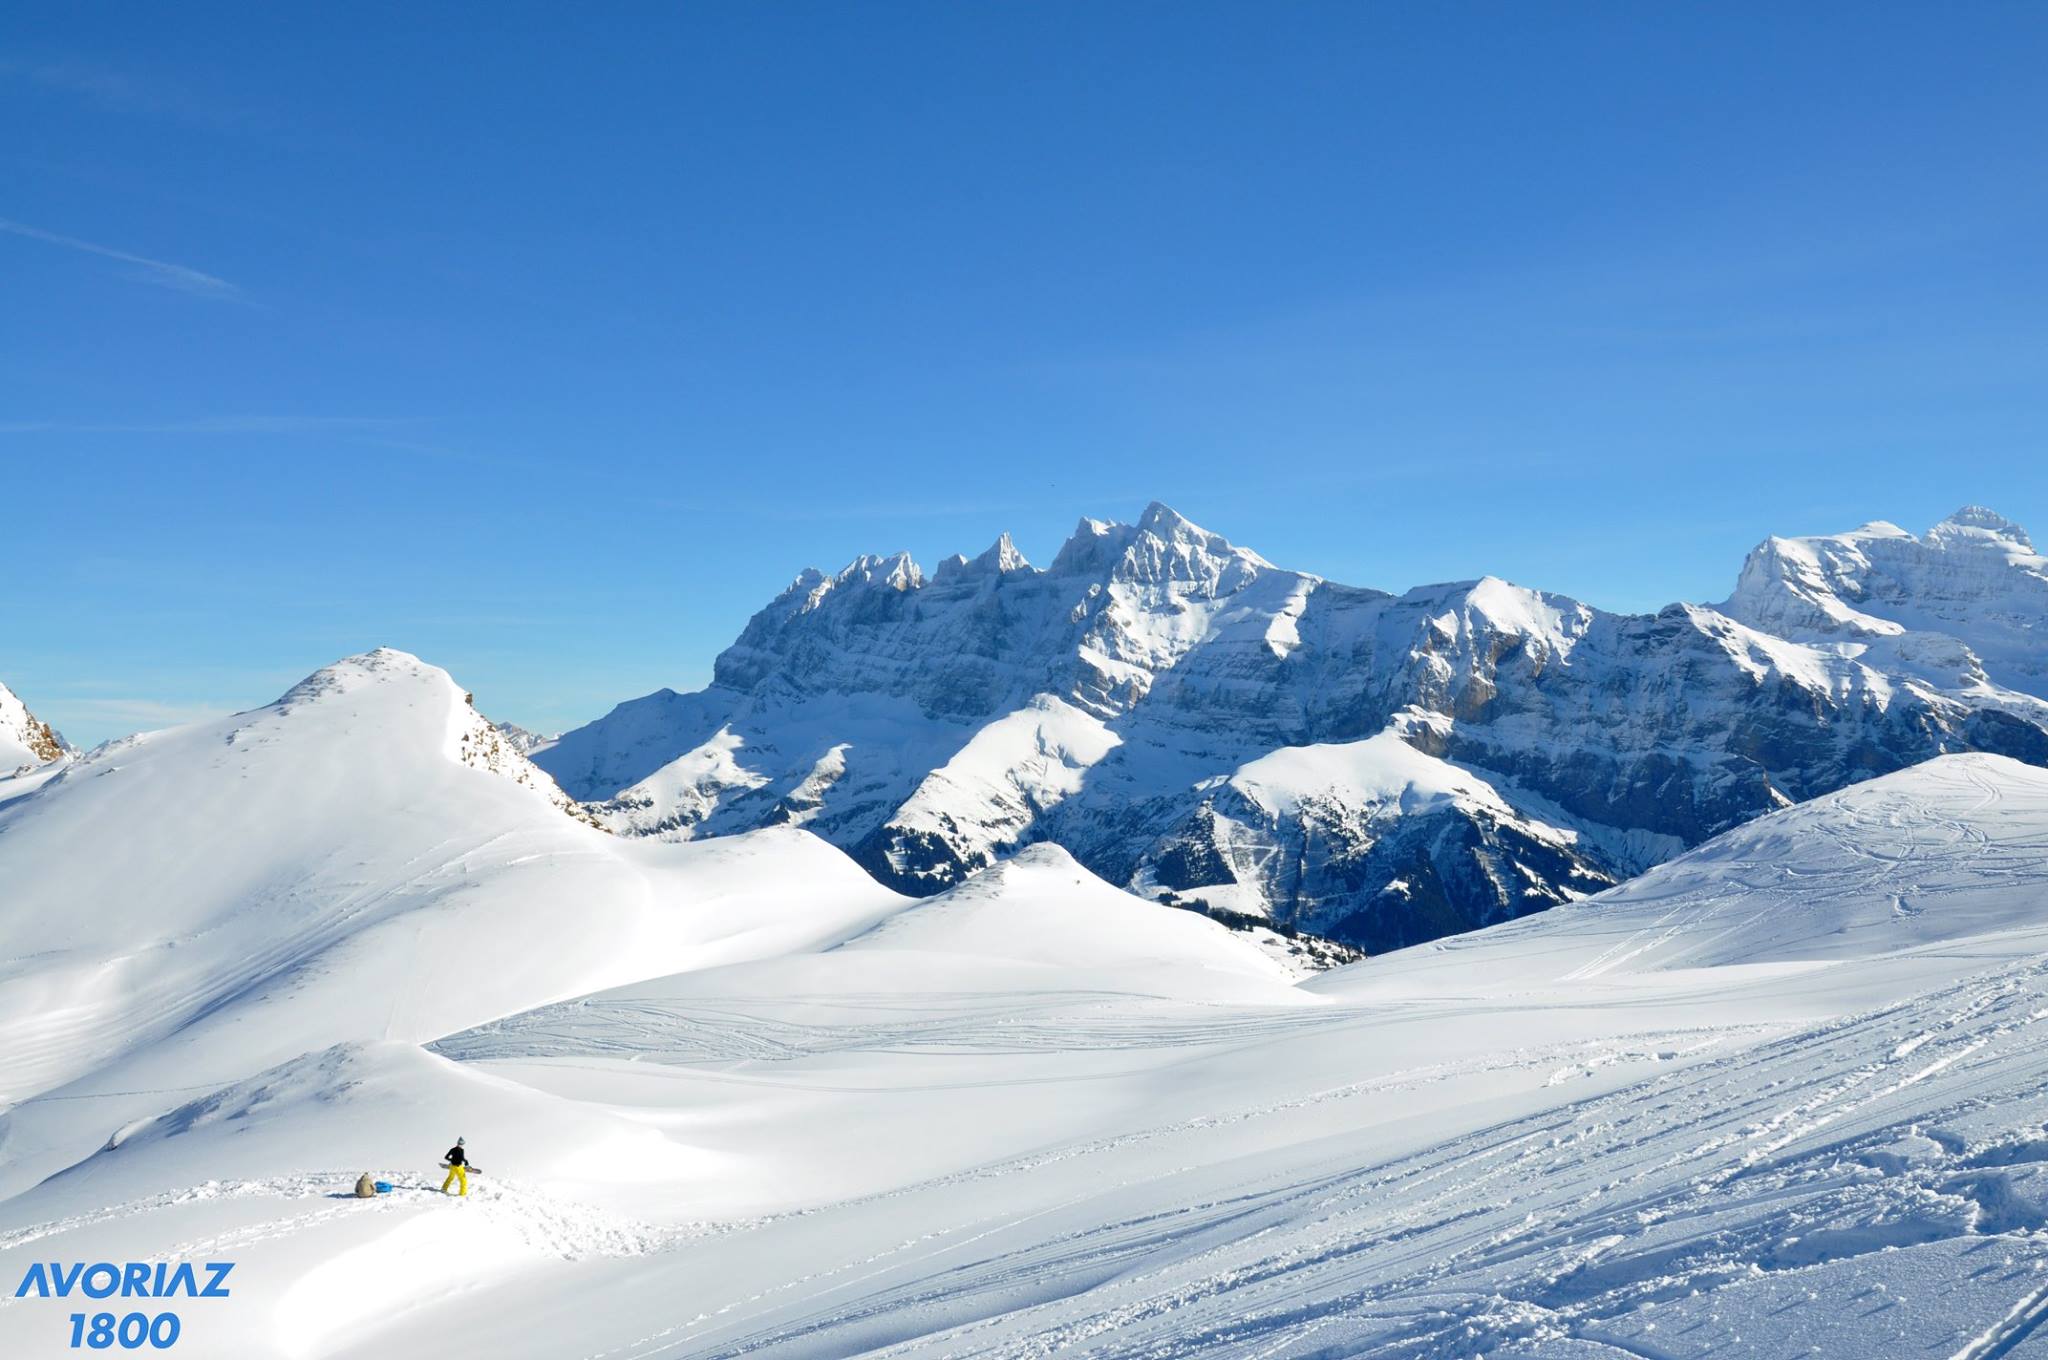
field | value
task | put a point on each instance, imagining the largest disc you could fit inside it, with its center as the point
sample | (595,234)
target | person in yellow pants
(458,1170)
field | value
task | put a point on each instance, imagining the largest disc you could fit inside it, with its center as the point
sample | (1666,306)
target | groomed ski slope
(1782,1096)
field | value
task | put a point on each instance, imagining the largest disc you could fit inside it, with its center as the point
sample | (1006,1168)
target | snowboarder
(458,1165)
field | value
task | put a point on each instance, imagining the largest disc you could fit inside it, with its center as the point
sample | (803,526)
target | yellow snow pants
(457,1175)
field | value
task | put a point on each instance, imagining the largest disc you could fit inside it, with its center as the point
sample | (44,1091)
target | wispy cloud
(136,714)
(163,273)
(98,84)
(111,88)
(492,459)
(206,425)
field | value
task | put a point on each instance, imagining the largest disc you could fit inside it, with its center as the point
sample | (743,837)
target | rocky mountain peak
(1968,599)
(895,571)
(398,696)
(25,739)
(1164,546)
(352,674)
(999,559)
(1171,546)
(1162,519)
(1093,547)
(1975,526)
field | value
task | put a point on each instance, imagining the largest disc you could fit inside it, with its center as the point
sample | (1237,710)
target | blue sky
(550,347)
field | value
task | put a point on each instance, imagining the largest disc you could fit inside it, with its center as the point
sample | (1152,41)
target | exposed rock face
(1189,719)
(25,739)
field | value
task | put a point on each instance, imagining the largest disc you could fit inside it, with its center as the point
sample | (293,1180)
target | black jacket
(455,1157)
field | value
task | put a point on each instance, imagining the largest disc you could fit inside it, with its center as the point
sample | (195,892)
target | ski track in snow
(1419,1255)
(1558,1225)
(697,1032)
(2005,1335)
(1552,1226)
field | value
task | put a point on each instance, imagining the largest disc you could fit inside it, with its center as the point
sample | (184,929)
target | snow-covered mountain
(364,858)
(523,741)
(1907,603)
(26,741)
(1196,723)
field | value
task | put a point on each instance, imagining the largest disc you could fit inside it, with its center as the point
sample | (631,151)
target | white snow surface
(1782,1096)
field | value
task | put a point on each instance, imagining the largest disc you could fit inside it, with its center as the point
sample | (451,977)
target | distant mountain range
(1204,727)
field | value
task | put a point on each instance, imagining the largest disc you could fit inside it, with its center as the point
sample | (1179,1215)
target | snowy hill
(1781,1096)
(1951,850)
(1041,908)
(1195,723)
(363,859)
(26,741)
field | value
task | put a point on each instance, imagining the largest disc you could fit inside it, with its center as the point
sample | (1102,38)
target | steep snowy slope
(26,741)
(363,859)
(1785,1096)
(1122,702)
